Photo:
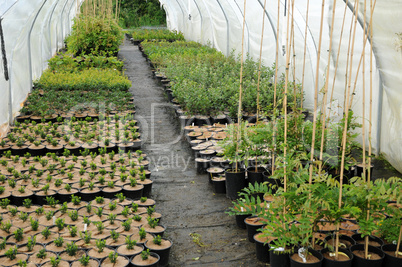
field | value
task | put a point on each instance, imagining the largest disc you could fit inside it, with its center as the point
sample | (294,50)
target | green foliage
(84,260)
(113,257)
(71,249)
(100,244)
(136,13)
(54,261)
(145,254)
(154,34)
(130,244)
(94,34)
(11,253)
(41,254)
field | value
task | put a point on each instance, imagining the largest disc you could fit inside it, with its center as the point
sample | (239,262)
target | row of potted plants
(205,82)
(110,132)
(76,229)
(139,35)
(308,217)
(88,176)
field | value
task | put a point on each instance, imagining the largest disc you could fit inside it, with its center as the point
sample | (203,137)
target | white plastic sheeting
(219,23)
(33,32)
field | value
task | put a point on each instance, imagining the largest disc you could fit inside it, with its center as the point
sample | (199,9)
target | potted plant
(145,258)
(130,248)
(100,251)
(160,246)
(114,259)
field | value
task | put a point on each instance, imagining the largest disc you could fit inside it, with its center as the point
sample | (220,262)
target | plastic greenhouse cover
(219,23)
(33,32)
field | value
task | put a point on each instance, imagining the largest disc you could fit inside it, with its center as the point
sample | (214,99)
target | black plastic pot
(219,186)
(358,238)
(133,193)
(146,192)
(221,119)
(341,237)
(390,260)
(202,165)
(361,262)
(261,249)
(90,195)
(359,170)
(128,261)
(163,253)
(18,200)
(278,258)
(240,220)
(252,229)
(235,182)
(313,252)
(333,263)
(255,176)
(202,120)
(112,194)
(153,254)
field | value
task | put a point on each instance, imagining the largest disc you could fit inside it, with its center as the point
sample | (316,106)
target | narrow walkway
(185,199)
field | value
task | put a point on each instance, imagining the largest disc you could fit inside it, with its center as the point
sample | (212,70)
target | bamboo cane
(259,73)
(324,110)
(348,53)
(260,59)
(241,83)
(316,94)
(275,87)
(337,57)
(305,50)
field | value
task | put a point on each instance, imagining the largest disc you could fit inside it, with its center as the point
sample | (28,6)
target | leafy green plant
(31,243)
(11,253)
(18,234)
(55,261)
(59,241)
(84,260)
(41,254)
(100,244)
(113,257)
(130,244)
(145,254)
(71,249)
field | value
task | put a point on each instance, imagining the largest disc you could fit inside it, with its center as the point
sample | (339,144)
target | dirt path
(185,199)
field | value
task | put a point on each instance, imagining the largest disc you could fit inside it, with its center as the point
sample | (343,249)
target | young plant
(11,253)
(100,244)
(46,233)
(145,254)
(59,241)
(84,260)
(100,227)
(142,233)
(19,234)
(113,257)
(86,237)
(55,261)
(41,254)
(34,224)
(115,235)
(73,230)
(60,223)
(23,216)
(112,218)
(31,243)
(157,240)
(71,249)
(130,244)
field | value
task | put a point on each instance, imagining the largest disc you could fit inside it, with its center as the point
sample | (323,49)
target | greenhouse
(200,133)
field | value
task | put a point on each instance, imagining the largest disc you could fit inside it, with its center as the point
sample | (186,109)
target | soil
(122,250)
(92,263)
(371,243)
(310,258)
(137,260)
(121,261)
(392,253)
(340,257)
(360,253)
(186,199)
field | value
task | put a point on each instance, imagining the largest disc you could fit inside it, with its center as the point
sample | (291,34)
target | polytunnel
(219,23)
(34,30)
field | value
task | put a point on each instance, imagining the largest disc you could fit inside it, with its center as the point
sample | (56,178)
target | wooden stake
(275,87)
(259,63)
(241,83)
(305,49)
(316,94)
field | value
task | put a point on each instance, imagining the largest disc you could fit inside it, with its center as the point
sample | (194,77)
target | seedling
(142,233)
(145,254)
(99,212)
(126,225)
(88,207)
(157,240)
(6,226)
(134,207)
(39,211)
(125,211)
(143,199)
(4,203)
(73,231)
(23,216)
(3,243)
(60,223)
(113,257)
(31,243)
(41,254)
(112,218)
(76,200)
(13,211)
(34,224)
(86,237)
(49,215)
(115,235)
(64,208)
(11,253)
(71,249)
(99,200)
(152,222)
(67,187)
(99,226)
(51,201)
(19,234)
(100,244)
(55,261)
(22,263)
(46,233)
(112,205)
(150,210)
(84,260)
(59,241)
